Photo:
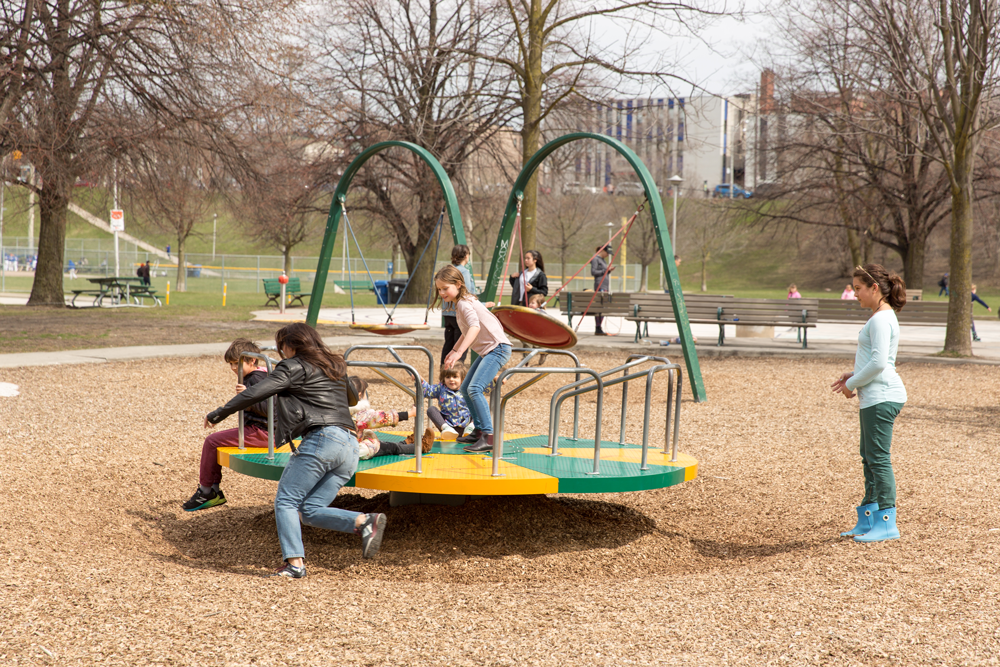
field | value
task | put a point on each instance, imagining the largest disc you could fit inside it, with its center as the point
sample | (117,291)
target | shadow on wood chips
(243,539)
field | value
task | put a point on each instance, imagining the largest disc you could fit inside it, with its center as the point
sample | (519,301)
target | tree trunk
(287,263)
(181,266)
(958,337)
(47,288)
(913,261)
(531,106)
(855,248)
(644,279)
(704,272)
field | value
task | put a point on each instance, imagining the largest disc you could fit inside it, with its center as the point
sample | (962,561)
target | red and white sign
(117,220)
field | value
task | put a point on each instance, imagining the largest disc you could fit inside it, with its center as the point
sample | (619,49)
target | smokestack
(767,92)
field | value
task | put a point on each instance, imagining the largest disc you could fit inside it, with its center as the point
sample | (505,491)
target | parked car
(577,188)
(767,189)
(630,189)
(722,190)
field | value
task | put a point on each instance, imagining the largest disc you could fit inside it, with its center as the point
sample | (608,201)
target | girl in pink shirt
(482,332)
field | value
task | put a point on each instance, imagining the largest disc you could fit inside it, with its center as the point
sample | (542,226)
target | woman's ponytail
(896,296)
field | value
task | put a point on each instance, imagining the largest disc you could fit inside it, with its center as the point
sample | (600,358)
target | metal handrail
(633,361)
(391,349)
(499,405)
(677,411)
(270,401)
(418,399)
(532,352)
(554,423)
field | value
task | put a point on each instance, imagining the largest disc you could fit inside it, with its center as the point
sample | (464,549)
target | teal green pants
(876,438)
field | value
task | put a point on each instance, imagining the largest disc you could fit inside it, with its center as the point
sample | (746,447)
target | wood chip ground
(742,566)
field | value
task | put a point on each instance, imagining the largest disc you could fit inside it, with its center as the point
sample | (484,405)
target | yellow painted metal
(451,474)
(224,452)
(628,455)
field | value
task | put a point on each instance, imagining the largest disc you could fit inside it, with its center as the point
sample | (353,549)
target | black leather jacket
(307,399)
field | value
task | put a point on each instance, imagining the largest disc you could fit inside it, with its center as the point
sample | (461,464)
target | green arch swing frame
(340,195)
(502,247)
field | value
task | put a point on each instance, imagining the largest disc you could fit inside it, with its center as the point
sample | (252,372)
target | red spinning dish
(535,327)
(389,329)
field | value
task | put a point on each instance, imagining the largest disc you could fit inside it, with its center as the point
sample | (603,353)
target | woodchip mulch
(741,566)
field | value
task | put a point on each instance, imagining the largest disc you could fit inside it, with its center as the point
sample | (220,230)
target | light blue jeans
(325,461)
(480,375)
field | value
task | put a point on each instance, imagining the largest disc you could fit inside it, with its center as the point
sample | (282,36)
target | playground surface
(742,565)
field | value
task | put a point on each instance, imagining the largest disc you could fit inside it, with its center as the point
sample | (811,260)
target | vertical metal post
(239,416)
(644,464)
(621,431)
(670,398)
(677,415)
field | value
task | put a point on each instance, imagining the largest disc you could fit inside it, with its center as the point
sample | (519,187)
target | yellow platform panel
(656,457)
(452,474)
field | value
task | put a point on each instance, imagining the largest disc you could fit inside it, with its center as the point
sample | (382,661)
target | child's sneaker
(371,532)
(290,571)
(448,433)
(427,442)
(202,501)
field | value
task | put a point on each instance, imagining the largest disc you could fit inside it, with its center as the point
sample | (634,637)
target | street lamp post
(607,281)
(675,183)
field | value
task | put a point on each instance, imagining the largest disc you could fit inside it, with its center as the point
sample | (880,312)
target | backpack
(943,282)
(138,272)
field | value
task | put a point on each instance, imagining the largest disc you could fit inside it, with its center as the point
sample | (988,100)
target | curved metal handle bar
(269,363)
(418,426)
(557,404)
(532,351)
(502,248)
(392,350)
(340,195)
(498,411)
(576,401)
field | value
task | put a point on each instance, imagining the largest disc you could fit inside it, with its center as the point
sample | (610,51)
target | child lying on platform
(366,419)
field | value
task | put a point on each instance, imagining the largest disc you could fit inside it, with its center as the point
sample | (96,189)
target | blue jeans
(480,375)
(325,461)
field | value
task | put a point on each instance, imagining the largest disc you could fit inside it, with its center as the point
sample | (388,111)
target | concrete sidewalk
(919,344)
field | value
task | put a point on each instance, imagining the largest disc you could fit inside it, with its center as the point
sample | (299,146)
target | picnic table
(118,291)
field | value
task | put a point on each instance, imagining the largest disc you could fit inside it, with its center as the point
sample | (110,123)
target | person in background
(848,293)
(793,292)
(943,284)
(600,269)
(459,259)
(72,270)
(531,281)
(704,188)
(168,251)
(975,298)
(143,272)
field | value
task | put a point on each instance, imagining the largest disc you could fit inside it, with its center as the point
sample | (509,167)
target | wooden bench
(914,313)
(722,310)
(293,291)
(604,304)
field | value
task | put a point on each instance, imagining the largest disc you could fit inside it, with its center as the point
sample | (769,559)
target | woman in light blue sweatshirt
(881,396)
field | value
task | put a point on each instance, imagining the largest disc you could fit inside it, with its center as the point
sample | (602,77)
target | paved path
(919,344)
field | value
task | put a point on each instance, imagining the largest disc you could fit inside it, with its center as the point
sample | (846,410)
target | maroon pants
(211,471)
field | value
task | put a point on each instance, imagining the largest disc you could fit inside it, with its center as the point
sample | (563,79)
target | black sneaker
(371,532)
(471,438)
(290,571)
(202,501)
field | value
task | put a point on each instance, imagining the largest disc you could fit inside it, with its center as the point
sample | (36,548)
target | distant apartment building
(701,138)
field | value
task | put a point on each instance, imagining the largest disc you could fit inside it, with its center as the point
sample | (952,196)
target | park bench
(96,293)
(914,313)
(722,310)
(604,304)
(293,291)
(352,284)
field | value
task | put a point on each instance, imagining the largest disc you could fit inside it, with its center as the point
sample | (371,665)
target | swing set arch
(336,208)
(503,244)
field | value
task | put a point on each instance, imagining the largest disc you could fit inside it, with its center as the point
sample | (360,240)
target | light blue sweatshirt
(875,378)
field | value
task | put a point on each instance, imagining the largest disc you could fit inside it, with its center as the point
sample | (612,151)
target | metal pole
(673,230)
(115,190)
(3,255)
(215,221)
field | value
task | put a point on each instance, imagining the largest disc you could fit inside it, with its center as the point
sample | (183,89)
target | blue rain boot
(866,517)
(884,528)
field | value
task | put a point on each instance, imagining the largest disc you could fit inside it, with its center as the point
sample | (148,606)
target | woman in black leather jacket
(313,399)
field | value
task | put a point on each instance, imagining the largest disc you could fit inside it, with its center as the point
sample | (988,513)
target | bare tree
(853,152)
(945,55)
(169,185)
(15,44)
(565,218)
(397,70)
(556,56)
(713,227)
(91,67)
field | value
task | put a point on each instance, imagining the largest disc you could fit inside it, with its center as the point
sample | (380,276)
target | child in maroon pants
(254,430)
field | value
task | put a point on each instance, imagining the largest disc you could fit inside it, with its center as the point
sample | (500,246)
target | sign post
(117,225)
